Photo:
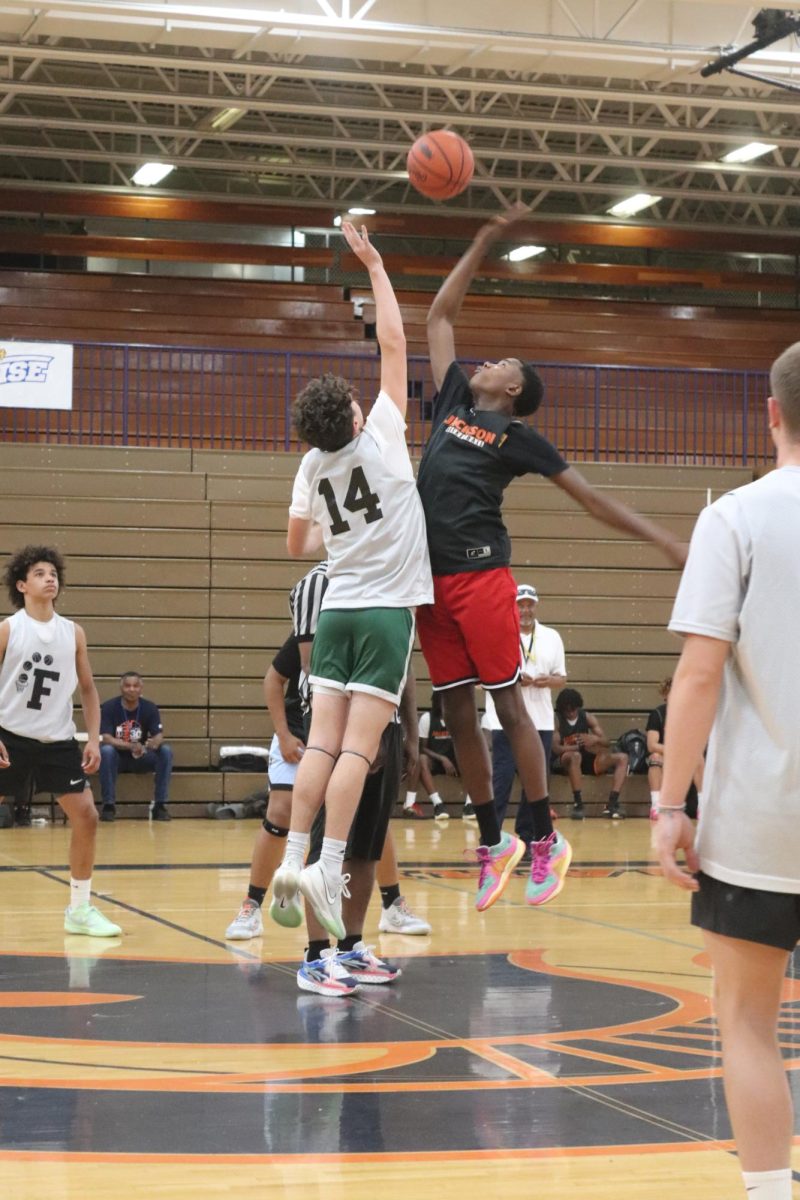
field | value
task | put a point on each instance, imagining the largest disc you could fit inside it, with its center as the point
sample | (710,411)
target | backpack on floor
(634,743)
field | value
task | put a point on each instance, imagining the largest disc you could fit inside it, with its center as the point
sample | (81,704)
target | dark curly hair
(17,569)
(323,413)
(532,394)
(568,698)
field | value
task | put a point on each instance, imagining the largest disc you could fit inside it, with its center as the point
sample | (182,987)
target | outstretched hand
(503,221)
(674,832)
(360,244)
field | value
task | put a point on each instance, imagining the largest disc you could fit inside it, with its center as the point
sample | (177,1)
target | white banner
(35,375)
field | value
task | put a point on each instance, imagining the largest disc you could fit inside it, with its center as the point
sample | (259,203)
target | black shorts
(752,915)
(53,766)
(368,831)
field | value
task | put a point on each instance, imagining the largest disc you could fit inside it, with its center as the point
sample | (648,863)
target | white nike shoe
(325,896)
(398,918)
(285,907)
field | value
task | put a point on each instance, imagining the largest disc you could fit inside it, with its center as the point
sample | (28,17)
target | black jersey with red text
(470,459)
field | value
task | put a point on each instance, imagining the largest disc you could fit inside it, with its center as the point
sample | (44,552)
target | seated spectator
(580,747)
(132,742)
(436,757)
(656,723)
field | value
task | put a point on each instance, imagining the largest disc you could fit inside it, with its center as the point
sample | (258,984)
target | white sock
(435,799)
(654,799)
(80,891)
(411,798)
(699,801)
(466,798)
(295,852)
(331,856)
(768,1185)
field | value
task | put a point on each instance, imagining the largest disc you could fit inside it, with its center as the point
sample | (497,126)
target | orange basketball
(440,164)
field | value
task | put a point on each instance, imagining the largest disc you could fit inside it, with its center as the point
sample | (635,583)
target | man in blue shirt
(132,742)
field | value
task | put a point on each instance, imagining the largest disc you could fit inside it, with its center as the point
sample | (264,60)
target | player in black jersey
(470,634)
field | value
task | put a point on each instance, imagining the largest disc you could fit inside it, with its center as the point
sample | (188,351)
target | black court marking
(457,864)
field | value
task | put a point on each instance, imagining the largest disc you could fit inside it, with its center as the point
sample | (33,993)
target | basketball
(440,164)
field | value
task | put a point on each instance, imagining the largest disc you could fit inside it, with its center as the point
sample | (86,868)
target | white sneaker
(88,920)
(326,976)
(285,908)
(325,896)
(398,918)
(247,924)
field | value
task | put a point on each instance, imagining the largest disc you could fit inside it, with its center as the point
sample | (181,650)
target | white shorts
(281,774)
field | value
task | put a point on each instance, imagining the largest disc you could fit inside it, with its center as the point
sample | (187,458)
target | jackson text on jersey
(476,435)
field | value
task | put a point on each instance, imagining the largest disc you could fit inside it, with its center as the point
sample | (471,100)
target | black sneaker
(468,812)
(577,813)
(613,811)
(160,813)
(108,812)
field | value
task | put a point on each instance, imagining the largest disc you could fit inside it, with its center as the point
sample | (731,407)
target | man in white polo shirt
(543,668)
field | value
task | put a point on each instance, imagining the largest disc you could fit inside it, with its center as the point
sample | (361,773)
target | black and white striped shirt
(305,600)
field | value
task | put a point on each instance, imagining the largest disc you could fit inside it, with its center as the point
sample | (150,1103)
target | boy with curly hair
(43,658)
(355,492)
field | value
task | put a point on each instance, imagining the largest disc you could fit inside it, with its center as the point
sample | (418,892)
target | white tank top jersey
(365,499)
(38,678)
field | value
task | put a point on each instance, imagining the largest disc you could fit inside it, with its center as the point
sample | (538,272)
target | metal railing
(143,395)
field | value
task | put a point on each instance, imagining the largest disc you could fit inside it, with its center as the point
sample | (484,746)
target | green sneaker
(89,920)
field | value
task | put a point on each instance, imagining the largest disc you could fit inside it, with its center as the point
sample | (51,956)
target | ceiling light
(361,212)
(749,152)
(520,253)
(633,204)
(151,173)
(220,119)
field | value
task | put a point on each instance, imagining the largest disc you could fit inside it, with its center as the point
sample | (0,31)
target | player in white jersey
(43,658)
(354,492)
(737,606)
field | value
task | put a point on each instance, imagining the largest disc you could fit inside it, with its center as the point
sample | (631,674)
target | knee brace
(276,830)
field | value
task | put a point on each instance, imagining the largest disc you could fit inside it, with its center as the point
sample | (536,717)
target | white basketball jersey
(38,678)
(365,499)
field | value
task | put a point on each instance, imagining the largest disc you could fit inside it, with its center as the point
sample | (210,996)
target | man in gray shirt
(738,607)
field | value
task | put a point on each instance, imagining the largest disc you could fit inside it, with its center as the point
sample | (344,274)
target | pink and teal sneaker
(550,859)
(497,864)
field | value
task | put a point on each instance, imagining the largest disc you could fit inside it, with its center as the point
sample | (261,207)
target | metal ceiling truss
(78,113)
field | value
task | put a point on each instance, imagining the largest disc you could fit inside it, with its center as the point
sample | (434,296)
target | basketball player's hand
(674,832)
(503,221)
(449,767)
(410,756)
(91,758)
(361,246)
(5,761)
(291,748)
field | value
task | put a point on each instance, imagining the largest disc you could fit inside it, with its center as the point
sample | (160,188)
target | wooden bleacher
(176,567)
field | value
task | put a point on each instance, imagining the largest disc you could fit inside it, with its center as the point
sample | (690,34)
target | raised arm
(388,321)
(446,306)
(612,512)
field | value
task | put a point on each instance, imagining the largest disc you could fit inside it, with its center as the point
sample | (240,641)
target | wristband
(671,807)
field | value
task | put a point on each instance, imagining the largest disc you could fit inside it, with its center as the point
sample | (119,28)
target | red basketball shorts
(470,634)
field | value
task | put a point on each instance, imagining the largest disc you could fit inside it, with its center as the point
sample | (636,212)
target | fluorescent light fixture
(220,119)
(633,204)
(151,173)
(520,253)
(361,212)
(747,153)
